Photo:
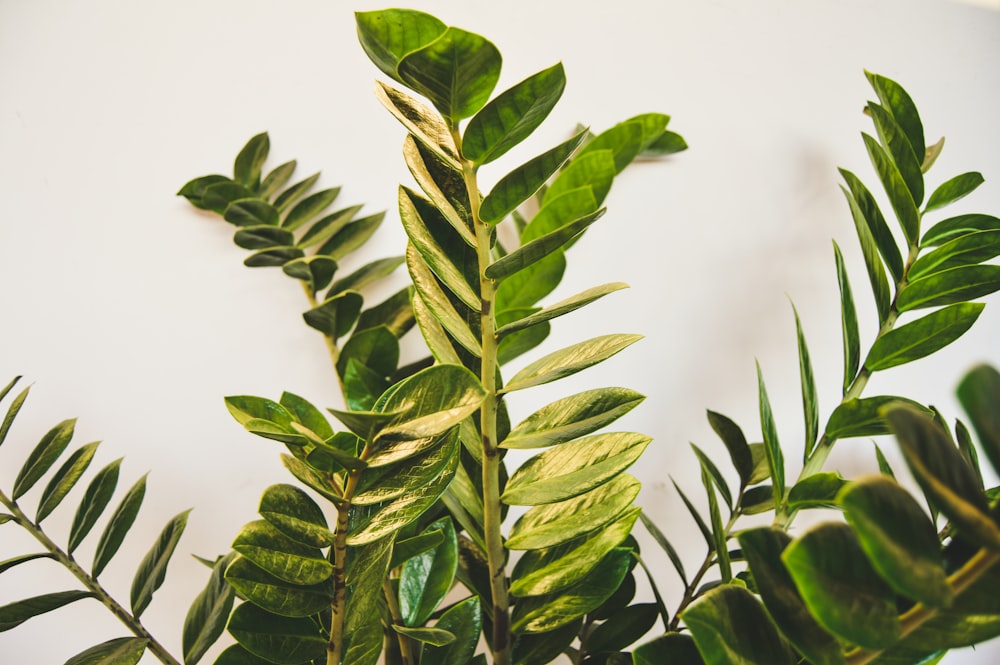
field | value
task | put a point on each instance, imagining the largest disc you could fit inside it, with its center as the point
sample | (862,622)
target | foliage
(421,558)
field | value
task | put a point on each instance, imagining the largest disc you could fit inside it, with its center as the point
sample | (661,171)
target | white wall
(127,308)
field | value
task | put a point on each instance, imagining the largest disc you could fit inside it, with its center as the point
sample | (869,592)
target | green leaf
(922,337)
(523,182)
(271,550)
(246,169)
(572,417)
(366,274)
(275,595)
(573,468)
(237,655)
(899,150)
(512,115)
(153,568)
(336,315)
(668,649)
(194,190)
(625,141)
(276,179)
(252,213)
(865,208)
(896,100)
(955,285)
(395,313)
(207,617)
(555,523)
(14,614)
(810,400)
(24,558)
(718,480)
(443,184)
(273,258)
(762,548)
(64,479)
(407,548)
(456,72)
(390,481)
(595,169)
(736,443)
(565,306)
(43,457)
(276,639)
(322,230)
(873,264)
(895,188)
(662,541)
(863,417)
(954,227)
(944,476)
(623,629)
(351,237)
(840,587)
(954,189)
(315,271)
(775,458)
(309,207)
(295,514)
(900,540)
(375,348)
(263,237)
(818,490)
(979,394)
(848,322)
(292,194)
(570,360)
(118,526)
(539,248)
(542,614)
(437,302)
(542,648)
(306,414)
(326,486)
(119,651)
(12,410)
(464,621)
(425,125)
(705,531)
(667,143)
(218,196)
(548,571)
(432,636)
(426,578)
(523,290)
(965,250)
(95,500)
(729,626)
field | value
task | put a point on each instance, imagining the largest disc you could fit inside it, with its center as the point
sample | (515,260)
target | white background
(126,307)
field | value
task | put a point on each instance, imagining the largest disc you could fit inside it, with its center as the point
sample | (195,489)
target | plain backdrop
(124,306)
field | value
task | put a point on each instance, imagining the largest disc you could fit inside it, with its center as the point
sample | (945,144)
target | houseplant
(249,410)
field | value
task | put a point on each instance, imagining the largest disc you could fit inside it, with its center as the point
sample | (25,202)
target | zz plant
(397,541)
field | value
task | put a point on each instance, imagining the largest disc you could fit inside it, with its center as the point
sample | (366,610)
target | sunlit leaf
(425,125)
(965,250)
(43,456)
(571,417)
(862,417)
(570,360)
(539,248)
(295,514)
(275,595)
(922,337)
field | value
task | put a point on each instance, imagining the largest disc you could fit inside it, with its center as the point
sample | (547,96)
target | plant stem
(495,550)
(335,647)
(91,584)
(405,643)
(331,344)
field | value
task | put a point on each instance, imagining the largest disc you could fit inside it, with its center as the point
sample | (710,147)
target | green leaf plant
(397,542)
(890,583)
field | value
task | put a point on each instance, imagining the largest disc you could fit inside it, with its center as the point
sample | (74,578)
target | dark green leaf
(320,231)
(810,400)
(43,457)
(218,196)
(118,526)
(152,569)
(336,315)
(863,204)
(14,614)
(775,458)
(12,410)
(252,212)
(64,479)
(395,313)
(718,530)
(954,189)
(955,285)
(848,321)
(237,655)
(895,188)
(736,444)
(572,417)
(623,629)
(862,417)
(818,490)
(426,578)
(194,190)
(271,550)
(899,539)
(903,110)
(705,531)
(24,558)
(366,274)
(432,636)
(276,179)
(954,227)
(873,264)
(512,115)
(570,360)
(713,471)
(729,626)
(566,306)
(668,649)
(542,648)
(295,514)
(965,250)
(277,639)
(899,150)
(464,621)
(119,651)
(207,617)
(539,248)
(246,169)
(309,207)
(276,595)
(979,394)
(94,501)
(840,587)
(922,337)
(273,258)
(407,548)
(292,194)
(263,237)
(662,541)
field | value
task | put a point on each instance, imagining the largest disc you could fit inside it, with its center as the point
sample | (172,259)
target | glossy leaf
(263,237)
(207,617)
(954,189)
(979,394)
(955,285)
(365,275)
(898,148)
(13,409)
(14,614)
(943,475)
(387,36)
(194,190)
(296,515)
(437,303)
(526,180)
(810,400)
(464,621)
(512,115)
(152,569)
(873,264)
(775,457)
(274,257)
(390,481)
(903,110)
(337,315)
(443,184)
(277,639)
(425,125)
(275,595)
(431,402)
(863,417)
(426,578)
(42,457)
(95,500)
(570,360)
(729,626)
(315,271)
(565,306)
(572,417)
(900,540)
(840,587)
(668,649)
(958,226)
(250,160)
(595,170)
(539,248)
(277,554)
(542,648)
(965,250)
(218,196)
(351,237)
(922,337)
(895,188)
(118,526)
(848,322)
(255,213)
(322,230)
(623,629)
(306,414)
(762,548)
(545,613)
(65,479)
(554,523)
(309,207)
(119,651)
(433,636)
(818,490)
(865,208)
(735,442)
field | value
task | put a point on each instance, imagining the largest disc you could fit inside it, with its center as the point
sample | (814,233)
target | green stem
(495,550)
(405,643)
(331,344)
(91,584)
(338,607)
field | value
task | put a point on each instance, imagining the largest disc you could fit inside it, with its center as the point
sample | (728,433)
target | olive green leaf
(570,417)
(425,125)
(388,36)
(539,248)
(351,237)
(542,648)
(775,458)
(863,205)
(335,316)
(309,207)
(873,264)
(431,402)
(664,543)
(922,337)
(464,621)
(433,636)
(14,614)
(272,551)
(729,625)
(295,514)
(365,275)
(250,160)
(570,360)
(276,595)
(274,638)
(276,179)
(207,617)
(623,629)
(736,443)
(900,540)
(24,558)
(807,382)
(118,526)
(64,479)
(841,588)
(388,480)
(565,306)
(899,104)
(13,409)
(818,490)
(595,169)
(673,648)
(152,570)
(425,579)
(716,476)
(273,258)
(848,322)
(254,213)
(443,184)
(218,196)
(863,417)
(898,148)
(625,141)
(194,190)
(895,188)
(119,651)
(237,655)
(95,500)
(954,189)
(979,394)
(43,456)
(263,237)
